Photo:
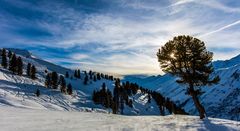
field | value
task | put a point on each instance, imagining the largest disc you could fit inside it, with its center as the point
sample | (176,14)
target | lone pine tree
(4,58)
(188,58)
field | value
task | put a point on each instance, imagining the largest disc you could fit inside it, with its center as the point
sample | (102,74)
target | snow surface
(17,119)
(20,109)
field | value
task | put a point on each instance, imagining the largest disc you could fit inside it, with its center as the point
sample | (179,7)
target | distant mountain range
(221,100)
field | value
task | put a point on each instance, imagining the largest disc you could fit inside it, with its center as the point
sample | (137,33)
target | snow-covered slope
(227,63)
(221,100)
(18,91)
(16,119)
(20,109)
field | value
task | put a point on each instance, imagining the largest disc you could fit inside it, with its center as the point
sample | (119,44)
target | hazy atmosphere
(121,36)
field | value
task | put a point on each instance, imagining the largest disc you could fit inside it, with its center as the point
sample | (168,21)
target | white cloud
(78,56)
(139,32)
(119,33)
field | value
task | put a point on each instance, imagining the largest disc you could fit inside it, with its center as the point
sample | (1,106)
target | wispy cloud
(78,56)
(116,36)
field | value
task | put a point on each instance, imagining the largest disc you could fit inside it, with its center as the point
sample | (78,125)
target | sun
(172,55)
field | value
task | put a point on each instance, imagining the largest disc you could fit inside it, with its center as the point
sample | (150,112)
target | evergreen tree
(149,98)
(29,69)
(19,66)
(48,80)
(130,103)
(13,63)
(188,58)
(69,89)
(91,77)
(78,73)
(85,82)
(111,78)
(37,93)
(54,80)
(98,76)
(94,78)
(62,84)
(108,99)
(67,75)
(94,96)
(10,54)
(169,105)
(103,97)
(90,74)
(116,95)
(121,104)
(33,72)
(106,77)
(128,88)
(104,86)
(4,58)
(75,74)
(114,107)
(102,75)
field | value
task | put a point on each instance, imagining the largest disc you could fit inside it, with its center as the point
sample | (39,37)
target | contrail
(180,2)
(220,29)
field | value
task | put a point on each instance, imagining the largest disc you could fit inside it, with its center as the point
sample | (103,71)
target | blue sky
(117,36)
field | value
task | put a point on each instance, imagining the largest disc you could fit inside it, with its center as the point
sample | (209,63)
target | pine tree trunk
(197,103)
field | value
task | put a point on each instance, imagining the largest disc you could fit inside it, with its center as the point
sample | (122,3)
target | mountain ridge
(213,98)
(19,91)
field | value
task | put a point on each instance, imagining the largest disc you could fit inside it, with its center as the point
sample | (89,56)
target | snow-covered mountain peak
(22,52)
(227,63)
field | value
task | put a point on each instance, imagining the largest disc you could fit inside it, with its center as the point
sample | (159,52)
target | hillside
(54,110)
(221,100)
(45,120)
(19,91)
